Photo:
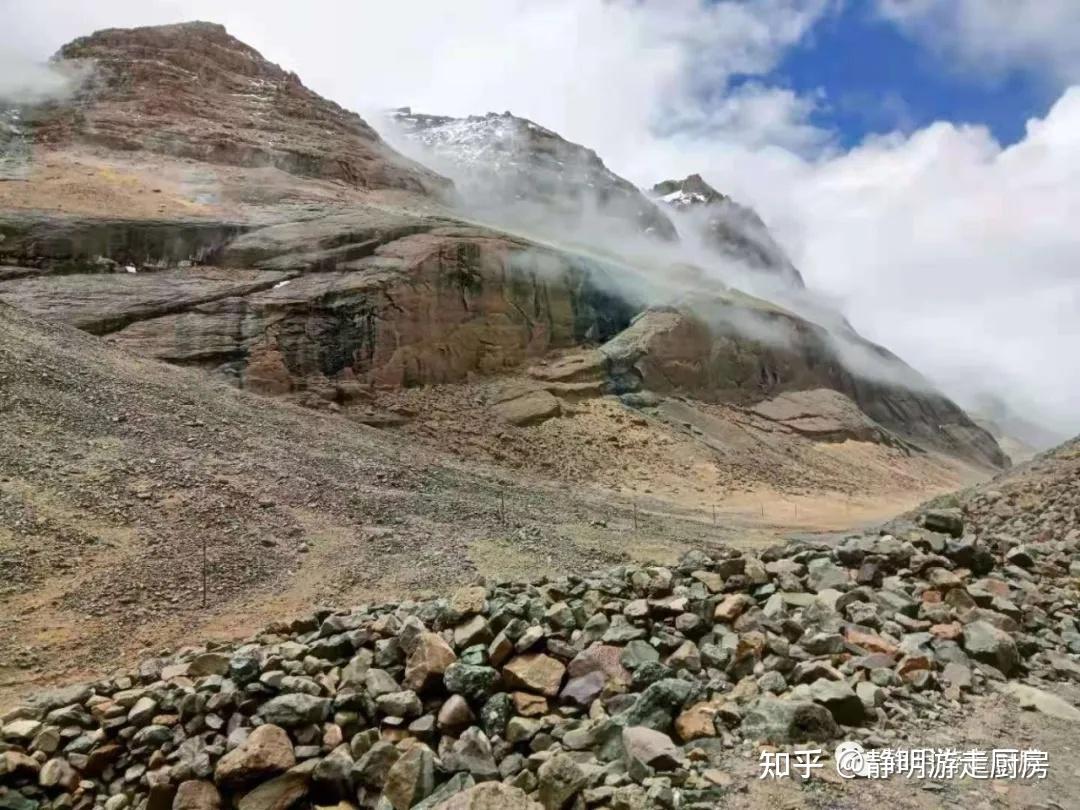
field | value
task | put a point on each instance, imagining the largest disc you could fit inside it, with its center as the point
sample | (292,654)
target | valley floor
(103,537)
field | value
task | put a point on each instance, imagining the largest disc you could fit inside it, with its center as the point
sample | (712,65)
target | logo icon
(851,760)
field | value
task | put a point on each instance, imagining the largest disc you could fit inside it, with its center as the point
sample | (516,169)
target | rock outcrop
(355,293)
(193,91)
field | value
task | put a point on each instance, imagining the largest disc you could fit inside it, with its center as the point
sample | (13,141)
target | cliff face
(191,90)
(354,294)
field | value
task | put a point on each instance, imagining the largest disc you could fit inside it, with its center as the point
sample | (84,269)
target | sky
(918,159)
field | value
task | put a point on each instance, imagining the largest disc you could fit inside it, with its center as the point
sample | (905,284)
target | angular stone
(535,673)
(731,607)
(58,773)
(474,630)
(584,689)
(698,721)
(946,521)
(295,710)
(428,661)
(986,643)
(472,752)
(469,600)
(840,700)
(331,779)
(196,794)
(411,779)
(490,796)
(649,747)
(210,663)
(822,574)
(279,793)
(474,682)
(604,658)
(560,779)
(266,752)
(529,705)
(529,409)
(871,642)
(455,714)
(400,704)
(788,721)
(373,767)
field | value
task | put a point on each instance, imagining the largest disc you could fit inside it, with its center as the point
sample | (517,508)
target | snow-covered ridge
(501,158)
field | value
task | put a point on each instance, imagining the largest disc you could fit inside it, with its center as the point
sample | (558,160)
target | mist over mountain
(427,463)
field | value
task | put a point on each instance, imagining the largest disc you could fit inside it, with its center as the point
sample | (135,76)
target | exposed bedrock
(388,299)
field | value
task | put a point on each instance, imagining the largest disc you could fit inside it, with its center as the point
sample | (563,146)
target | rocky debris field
(620,688)
(1037,501)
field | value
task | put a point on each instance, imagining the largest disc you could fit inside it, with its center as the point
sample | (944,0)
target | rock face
(333,302)
(397,301)
(502,160)
(730,229)
(701,353)
(391,705)
(191,90)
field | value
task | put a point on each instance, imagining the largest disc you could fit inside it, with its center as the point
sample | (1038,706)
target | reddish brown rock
(535,672)
(266,752)
(428,661)
(698,721)
(871,642)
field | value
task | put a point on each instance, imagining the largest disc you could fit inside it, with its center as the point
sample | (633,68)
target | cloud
(25,81)
(994,36)
(958,254)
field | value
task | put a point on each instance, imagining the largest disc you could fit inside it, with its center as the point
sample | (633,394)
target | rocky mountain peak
(192,90)
(502,159)
(693,190)
(725,226)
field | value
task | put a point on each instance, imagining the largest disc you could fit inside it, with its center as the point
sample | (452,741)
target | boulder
(788,721)
(196,794)
(534,672)
(428,661)
(560,779)
(985,642)
(265,753)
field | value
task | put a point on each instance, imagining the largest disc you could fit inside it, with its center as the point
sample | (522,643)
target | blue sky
(875,78)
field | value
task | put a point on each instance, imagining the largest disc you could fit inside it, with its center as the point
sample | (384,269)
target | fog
(956,252)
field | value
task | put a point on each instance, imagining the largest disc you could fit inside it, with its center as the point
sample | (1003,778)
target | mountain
(196,204)
(500,160)
(732,230)
(256,367)
(193,91)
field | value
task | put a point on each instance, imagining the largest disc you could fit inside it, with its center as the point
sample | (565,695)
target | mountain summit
(731,229)
(192,90)
(500,160)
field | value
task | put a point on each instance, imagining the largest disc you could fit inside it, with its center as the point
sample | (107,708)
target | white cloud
(958,254)
(990,36)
